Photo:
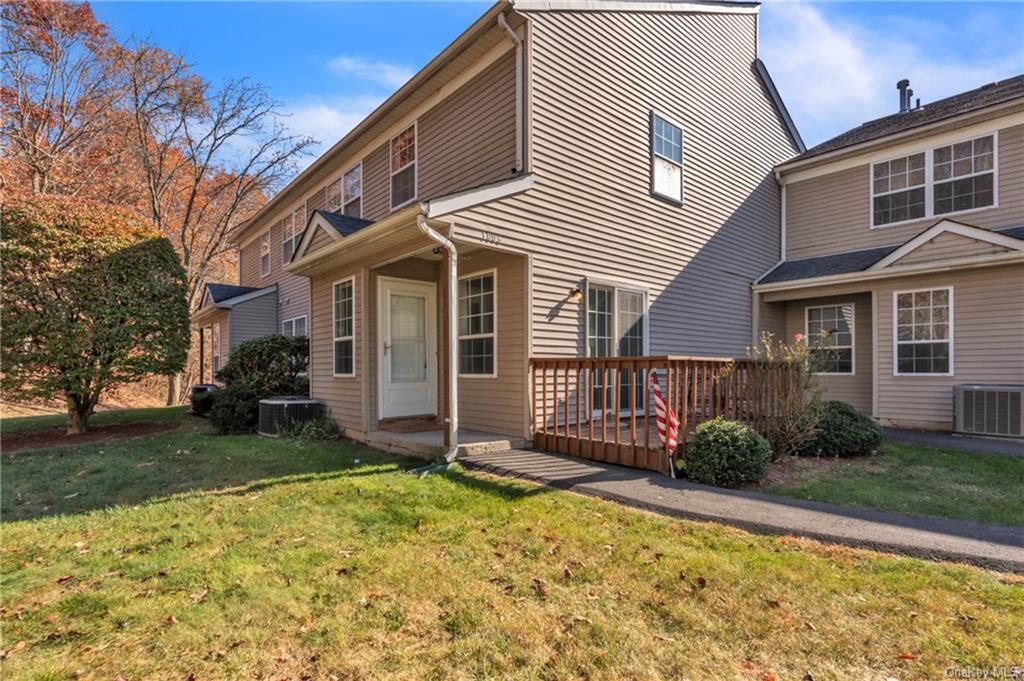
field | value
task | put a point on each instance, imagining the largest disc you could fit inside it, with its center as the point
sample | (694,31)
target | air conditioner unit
(989,409)
(277,412)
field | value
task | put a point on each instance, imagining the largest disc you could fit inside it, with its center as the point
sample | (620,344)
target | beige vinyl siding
(832,213)
(948,246)
(321,239)
(292,291)
(253,318)
(853,389)
(376,184)
(988,343)
(590,213)
(249,273)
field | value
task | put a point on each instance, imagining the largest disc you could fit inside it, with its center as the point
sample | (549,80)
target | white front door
(407,350)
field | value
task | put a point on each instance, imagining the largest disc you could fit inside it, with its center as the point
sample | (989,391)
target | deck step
(428,444)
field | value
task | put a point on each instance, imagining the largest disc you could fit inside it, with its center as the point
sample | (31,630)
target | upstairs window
(924,338)
(964,176)
(830,336)
(352,192)
(293,226)
(265,254)
(666,158)
(898,187)
(333,199)
(403,167)
(476,325)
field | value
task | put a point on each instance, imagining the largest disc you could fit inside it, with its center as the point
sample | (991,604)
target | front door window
(408,338)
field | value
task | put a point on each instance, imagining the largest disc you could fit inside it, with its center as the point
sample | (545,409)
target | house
(564,179)
(903,240)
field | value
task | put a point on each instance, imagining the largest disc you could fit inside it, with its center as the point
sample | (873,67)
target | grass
(30,424)
(914,479)
(186,554)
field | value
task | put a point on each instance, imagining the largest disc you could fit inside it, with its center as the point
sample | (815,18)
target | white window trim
(416,165)
(334,326)
(338,183)
(215,364)
(494,334)
(296,231)
(265,239)
(681,164)
(616,287)
(853,337)
(929,180)
(895,337)
(345,200)
(293,320)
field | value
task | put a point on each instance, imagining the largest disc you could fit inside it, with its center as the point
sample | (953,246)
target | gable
(321,238)
(949,246)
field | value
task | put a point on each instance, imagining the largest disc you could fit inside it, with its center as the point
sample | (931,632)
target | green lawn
(185,554)
(29,424)
(914,479)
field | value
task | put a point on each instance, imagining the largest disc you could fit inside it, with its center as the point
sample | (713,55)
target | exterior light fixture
(576,294)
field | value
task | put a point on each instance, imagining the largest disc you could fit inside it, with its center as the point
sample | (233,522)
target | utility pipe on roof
(517,41)
(453,333)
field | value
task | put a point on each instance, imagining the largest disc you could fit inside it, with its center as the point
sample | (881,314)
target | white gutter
(503,22)
(452,423)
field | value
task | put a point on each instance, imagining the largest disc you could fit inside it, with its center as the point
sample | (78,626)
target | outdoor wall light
(576,294)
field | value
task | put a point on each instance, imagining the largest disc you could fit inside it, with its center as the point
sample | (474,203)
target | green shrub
(314,430)
(727,454)
(236,409)
(202,402)
(843,431)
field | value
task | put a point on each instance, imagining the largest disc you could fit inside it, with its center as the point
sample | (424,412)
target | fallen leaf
(64,580)
(701,583)
(199,595)
(567,572)
(907,656)
(13,649)
(775,602)
(171,619)
(541,587)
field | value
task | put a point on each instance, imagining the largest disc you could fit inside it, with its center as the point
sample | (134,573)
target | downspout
(453,334)
(517,41)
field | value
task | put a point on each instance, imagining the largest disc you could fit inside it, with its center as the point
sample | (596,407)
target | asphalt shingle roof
(344,224)
(972,100)
(221,292)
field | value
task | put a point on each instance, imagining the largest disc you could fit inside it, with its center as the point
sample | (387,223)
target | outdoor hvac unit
(990,410)
(276,412)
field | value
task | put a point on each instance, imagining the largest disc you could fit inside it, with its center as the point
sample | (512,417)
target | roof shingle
(342,223)
(221,292)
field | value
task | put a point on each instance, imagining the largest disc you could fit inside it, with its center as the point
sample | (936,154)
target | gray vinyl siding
(831,213)
(948,246)
(253,318)
(590,213)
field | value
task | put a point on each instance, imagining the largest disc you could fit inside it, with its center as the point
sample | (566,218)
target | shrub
(843,431)
(323,428)
(202,402)
(727,454)
(236,409)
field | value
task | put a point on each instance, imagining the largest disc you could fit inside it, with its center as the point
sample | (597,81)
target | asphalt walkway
(993,546)
(984,445)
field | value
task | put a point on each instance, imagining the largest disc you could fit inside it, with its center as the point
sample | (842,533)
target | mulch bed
(788,470)
(56,437)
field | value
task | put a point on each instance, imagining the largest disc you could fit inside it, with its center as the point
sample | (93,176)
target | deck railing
(602,408)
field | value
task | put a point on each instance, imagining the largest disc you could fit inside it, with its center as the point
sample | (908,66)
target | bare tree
(209,157)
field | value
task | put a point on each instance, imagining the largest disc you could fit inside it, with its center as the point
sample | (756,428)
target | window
(666,158)
(265,254)
(898,189)
(293,226)
(344,328)
(830,335)
(352,182)
(333,201)
(294,327)
(403,167)
(215,349)
(941,181)
(477,325)
(964,175)
(924,332)
(616,326)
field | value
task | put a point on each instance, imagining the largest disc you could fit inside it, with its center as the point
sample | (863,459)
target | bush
(235,409)
(202,402)
(843,431)
(323,428)
(727,454)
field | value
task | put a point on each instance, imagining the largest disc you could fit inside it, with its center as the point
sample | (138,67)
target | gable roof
(221,292)
(342,223)
(998,92)
(869,258)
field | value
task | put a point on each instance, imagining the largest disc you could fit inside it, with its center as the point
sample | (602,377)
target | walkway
(999,547)
(984,445)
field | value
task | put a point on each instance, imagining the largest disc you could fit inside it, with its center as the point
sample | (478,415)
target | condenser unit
(990,410)
(278,412)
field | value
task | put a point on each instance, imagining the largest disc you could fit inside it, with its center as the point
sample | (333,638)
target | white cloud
(382,73)
(835,74)
(327,121)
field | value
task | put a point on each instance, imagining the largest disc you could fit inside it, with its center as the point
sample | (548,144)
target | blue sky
(330,63)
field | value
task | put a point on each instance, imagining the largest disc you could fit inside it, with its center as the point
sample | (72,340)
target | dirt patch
(55,437)
(792,469)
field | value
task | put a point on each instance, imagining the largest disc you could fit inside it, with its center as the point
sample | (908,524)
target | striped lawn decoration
(661,410)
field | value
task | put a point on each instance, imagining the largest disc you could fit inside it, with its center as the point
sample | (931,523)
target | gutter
(517,41)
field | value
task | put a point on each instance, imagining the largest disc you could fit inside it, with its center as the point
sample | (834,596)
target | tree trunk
(173,389)
(79,411)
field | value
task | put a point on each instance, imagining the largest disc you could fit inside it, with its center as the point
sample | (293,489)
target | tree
(93,298)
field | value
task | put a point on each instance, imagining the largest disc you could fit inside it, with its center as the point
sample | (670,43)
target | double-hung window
(265,254)
(949,179)
(215,349)
(616,326)
(666,158)
(293,226)
(344,327)
(332,202)
(352,192)
(830,337)
(477,329)
(924,332)
(403,167)
(295,326)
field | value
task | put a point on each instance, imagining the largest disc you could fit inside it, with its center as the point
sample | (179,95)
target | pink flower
(798,337)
